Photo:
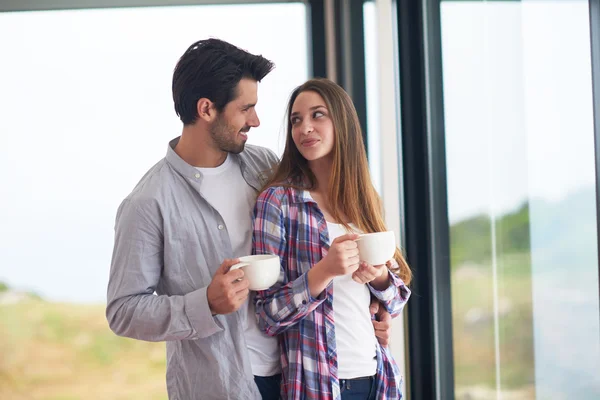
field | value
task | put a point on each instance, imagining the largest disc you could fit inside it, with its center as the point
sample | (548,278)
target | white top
(226,190)
(354,333)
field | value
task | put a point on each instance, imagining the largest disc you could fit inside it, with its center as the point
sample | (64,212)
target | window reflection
(521,195)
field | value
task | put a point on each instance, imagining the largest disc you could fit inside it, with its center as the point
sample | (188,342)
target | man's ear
(206,109)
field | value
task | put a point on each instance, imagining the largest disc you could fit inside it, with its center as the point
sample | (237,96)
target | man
(178,231)
(190,212)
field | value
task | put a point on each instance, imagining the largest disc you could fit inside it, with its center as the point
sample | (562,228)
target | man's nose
(254,121)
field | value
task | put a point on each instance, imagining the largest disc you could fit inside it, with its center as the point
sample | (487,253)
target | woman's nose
(307,128)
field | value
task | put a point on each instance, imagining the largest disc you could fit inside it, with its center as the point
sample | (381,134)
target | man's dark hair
(212,69)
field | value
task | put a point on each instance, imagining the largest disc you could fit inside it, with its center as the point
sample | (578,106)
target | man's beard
(225,136)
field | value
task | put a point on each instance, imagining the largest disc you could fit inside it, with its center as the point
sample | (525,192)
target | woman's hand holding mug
(341,259)
(367,272)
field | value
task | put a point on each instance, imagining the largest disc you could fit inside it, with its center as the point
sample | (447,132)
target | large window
(372,81)
(521,199)
(86,110)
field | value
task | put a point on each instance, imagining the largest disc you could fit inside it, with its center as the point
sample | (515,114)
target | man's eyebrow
(311,109)
(249,105)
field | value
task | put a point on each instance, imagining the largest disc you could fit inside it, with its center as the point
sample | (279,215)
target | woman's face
(312,127)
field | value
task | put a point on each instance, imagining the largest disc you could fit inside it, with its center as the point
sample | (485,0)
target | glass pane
(383,159)
(371,77)
(521,199)
(86,110)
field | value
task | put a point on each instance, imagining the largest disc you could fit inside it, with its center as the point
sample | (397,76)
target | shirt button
(220,227)
(197,176)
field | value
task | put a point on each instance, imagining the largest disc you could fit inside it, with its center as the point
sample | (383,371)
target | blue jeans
(358,389)
(269,386)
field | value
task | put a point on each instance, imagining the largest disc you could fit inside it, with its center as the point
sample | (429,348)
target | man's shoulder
(151,187)
(255,150)
(262,156)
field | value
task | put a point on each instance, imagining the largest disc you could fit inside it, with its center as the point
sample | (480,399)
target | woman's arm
(286,302)
(395,295)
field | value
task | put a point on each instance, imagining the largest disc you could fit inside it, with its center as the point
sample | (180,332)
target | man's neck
(196,148)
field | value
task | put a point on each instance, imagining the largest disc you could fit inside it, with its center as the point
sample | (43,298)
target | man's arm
(132,308)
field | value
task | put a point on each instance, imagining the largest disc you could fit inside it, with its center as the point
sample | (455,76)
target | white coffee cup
(376,248)
(262,271)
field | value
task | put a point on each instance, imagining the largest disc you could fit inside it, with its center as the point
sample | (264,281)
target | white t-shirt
(354,333)
(226,190)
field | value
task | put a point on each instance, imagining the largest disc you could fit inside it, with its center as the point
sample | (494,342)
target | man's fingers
(382,333)
(374,307)
(383,339)
(242,295)
(384,316)
(234,275)
(240,285)
(381,325)
(225,265)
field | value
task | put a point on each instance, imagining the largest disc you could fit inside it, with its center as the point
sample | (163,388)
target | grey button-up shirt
(170,240)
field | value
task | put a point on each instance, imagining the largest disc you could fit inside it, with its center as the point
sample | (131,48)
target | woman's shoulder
(277,193)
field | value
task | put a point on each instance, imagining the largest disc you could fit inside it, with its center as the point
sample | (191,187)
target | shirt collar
(177,162)
(301,196)
(192,173)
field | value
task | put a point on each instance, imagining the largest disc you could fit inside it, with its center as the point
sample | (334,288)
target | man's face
(230,130)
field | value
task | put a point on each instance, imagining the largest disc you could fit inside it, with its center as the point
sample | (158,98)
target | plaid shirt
(288,223)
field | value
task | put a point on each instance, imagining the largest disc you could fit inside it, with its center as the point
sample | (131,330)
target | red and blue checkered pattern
(289,224)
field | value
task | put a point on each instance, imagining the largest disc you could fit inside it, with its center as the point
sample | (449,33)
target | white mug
(376,248)
(262,271)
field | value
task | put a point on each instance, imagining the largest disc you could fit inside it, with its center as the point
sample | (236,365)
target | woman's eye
(318,114)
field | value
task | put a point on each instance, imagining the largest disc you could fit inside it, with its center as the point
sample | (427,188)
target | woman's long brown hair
(351,192)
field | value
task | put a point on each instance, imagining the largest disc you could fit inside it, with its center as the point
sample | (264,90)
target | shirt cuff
(199,314)
(301,297)
(391,291)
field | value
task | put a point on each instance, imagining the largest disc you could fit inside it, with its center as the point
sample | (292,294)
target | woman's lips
(310,142)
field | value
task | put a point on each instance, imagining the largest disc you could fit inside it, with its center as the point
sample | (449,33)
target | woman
(309,215)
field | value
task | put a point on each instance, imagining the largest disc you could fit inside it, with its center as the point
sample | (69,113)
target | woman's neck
(321,169)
